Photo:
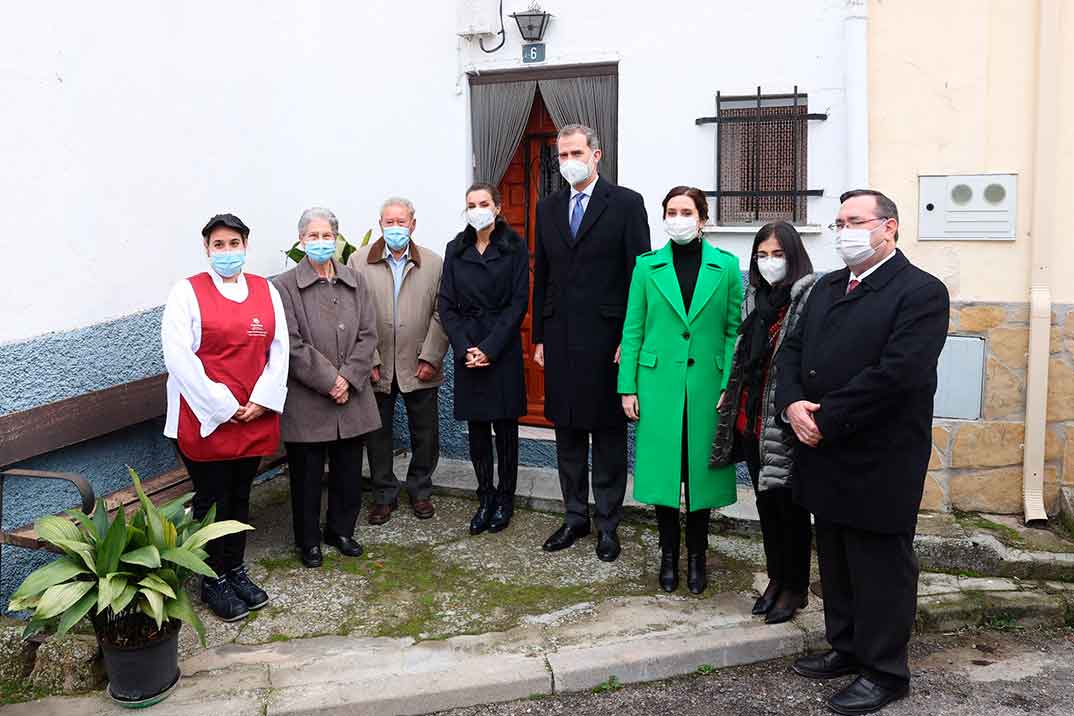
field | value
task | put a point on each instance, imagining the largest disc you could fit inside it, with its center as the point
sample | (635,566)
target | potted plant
(126,575)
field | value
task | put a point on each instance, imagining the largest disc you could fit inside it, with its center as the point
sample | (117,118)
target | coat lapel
(708,279)
(667,282)
(598,202)
(558,207)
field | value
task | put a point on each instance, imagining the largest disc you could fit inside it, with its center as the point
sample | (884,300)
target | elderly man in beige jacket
(403,279)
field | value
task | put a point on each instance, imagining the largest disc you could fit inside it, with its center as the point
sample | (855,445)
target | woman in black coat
(484,292)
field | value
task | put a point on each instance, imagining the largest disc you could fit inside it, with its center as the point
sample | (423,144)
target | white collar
(588,191)
(218,280)
(873,268)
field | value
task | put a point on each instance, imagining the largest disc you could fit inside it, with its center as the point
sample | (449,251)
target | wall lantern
(532,23)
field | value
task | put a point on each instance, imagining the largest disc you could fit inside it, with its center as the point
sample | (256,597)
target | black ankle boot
(669,570)
(696,579)
(482,517)
(501,518)
(222,600)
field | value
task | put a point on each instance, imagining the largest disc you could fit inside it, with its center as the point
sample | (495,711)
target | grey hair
(397,201)
(317,212)
(591,138)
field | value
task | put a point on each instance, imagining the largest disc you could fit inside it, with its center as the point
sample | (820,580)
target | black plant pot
(143,674)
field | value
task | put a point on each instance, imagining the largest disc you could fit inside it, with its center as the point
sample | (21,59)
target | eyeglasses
(853,223)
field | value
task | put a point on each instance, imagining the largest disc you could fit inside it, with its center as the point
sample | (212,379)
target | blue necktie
(576,215)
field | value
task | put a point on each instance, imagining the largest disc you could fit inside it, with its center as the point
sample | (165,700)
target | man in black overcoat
(588,236)
(856,383)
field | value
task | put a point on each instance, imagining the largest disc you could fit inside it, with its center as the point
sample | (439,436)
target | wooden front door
(532,174)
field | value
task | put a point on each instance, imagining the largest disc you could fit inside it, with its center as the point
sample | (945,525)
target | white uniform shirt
(180,334)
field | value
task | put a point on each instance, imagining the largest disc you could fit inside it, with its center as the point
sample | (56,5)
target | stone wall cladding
(976,465)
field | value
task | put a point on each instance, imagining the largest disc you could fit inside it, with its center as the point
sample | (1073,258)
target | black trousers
(697,522)
(870,597)
(226,484)
(423,420)
(784,526)
(480,434)
(609,475)
(306,465)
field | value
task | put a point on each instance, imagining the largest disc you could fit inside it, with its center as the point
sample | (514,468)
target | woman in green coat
(678,340)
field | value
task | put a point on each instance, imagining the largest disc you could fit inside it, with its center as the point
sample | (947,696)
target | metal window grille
(761,158)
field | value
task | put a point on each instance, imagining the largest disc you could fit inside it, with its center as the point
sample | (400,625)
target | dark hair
(485,186)
(884,206)
(694,193)
(798,263)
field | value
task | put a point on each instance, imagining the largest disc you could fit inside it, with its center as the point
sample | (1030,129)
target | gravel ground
(968,673)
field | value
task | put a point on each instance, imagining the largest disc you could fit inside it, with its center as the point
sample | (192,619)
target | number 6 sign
(533,53)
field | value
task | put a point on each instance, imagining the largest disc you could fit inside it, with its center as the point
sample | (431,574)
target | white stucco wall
(127,124)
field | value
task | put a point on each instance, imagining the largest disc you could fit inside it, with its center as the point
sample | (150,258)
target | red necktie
(852,285)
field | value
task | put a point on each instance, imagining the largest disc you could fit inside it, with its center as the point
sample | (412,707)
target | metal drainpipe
(1045,173)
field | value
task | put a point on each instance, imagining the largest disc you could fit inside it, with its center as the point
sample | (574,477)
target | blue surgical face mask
(397,237)
(227,263)
(320,251)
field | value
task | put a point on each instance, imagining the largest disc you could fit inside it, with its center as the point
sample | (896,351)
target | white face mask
(772,268)
(681,229)
(853,245)
(479,217)
(574,171)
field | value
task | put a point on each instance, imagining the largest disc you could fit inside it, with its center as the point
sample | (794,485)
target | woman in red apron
(225,347)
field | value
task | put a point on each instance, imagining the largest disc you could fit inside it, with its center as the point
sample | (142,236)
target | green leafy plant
(344,248)
(612,684)
(112,570)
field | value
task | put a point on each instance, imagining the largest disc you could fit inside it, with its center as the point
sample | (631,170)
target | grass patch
(277,637)
(705,669)
(1001,621)
(1007,535)
(612,684)
(279,563)
(16,692)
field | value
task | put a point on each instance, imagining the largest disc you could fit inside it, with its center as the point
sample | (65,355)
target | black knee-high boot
(667,520)
(507,457)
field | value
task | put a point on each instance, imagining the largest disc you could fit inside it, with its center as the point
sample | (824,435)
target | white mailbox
(967,207)
(477,17)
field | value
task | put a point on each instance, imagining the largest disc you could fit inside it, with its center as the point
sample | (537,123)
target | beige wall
(952,89)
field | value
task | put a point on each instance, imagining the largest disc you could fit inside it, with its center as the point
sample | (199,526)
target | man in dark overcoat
(588,236)
(857,379)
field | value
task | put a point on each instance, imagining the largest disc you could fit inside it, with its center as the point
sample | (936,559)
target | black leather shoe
(779,613)
(696,578)
(767,600)
(826,665)
(564,537)
(669,571)
(222,600)
(311,556)
(608,548)
(864,696)
(480,521)
(501,518)
(346,546)
(254,596)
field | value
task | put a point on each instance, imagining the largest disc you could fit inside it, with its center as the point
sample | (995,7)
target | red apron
(235,340)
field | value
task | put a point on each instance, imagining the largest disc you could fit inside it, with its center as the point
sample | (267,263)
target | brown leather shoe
(423,509)
(381,513)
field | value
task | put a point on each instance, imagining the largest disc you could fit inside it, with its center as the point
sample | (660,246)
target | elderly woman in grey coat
(330,403)
(781,278)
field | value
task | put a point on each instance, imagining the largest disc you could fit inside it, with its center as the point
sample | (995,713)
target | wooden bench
(67,422)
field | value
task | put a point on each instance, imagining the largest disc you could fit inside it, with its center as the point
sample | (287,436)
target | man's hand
(249,412)
(426,371)
(618,354)
(476,358)
(800,416)
(538,354)
(341,386)
(343,398)
(631,407)
(374,375)
(719,403)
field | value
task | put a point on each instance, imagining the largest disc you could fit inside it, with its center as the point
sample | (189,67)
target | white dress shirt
(180,335)
(587,194)
(871,269)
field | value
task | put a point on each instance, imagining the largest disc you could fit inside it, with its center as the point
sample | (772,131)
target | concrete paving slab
(661,656)
(467,682)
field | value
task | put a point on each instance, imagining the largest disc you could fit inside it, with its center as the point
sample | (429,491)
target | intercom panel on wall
(967,207)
